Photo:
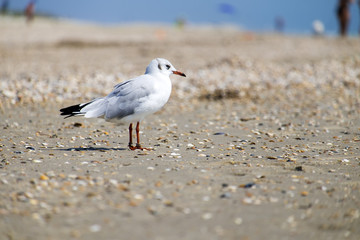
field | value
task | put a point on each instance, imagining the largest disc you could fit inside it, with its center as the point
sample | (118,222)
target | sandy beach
(261,140)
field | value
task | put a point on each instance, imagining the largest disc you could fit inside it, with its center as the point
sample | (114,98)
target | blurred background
(291,17)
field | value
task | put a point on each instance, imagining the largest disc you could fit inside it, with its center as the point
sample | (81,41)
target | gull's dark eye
(167,66)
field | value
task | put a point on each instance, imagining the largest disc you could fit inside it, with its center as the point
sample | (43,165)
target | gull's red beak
(179,73)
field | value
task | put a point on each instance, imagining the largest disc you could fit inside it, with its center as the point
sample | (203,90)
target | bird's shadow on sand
(100,149)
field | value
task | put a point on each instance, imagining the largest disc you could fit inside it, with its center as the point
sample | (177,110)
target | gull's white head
(163,66)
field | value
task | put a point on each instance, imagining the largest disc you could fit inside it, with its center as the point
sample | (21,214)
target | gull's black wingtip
(71,111)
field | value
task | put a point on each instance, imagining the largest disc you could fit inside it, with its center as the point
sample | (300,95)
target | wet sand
(260,141)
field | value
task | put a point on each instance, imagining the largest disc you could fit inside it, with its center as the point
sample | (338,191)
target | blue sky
(253,15)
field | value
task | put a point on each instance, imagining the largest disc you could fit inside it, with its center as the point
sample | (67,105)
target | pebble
(247,185)
(206,198)
(304,193)
(238,221)
(207,216)
(50,174)
(95,228)
(299,168)
(248,200)
(219,133)
(44,177)
(225,195)
(113,182)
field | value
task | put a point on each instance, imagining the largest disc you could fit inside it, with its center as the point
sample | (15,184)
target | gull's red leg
(138,146)
(130,137)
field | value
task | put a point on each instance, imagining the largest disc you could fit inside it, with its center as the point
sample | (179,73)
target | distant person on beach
(279,24)
(4,6)
(29,11)
(343,15)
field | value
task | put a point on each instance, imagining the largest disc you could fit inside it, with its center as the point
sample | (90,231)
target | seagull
(131,101)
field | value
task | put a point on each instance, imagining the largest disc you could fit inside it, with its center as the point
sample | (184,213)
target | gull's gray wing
(127,96)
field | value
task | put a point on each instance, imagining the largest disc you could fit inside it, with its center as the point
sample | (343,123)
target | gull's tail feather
(89,110)
(73,110)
